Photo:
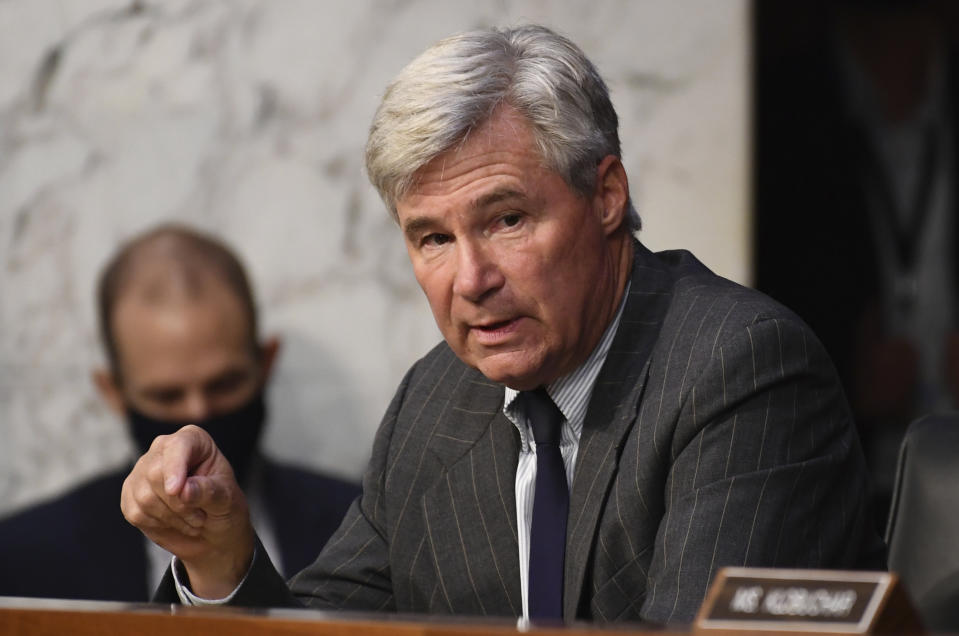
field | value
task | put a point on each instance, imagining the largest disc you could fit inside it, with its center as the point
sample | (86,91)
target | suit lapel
(611,413)
(470,513)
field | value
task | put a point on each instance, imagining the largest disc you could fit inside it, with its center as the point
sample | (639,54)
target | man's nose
(477,271)
(196,407)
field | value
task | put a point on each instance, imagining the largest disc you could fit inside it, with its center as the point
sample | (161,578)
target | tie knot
(544,417)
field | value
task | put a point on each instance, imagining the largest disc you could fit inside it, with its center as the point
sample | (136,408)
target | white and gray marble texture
(247,118)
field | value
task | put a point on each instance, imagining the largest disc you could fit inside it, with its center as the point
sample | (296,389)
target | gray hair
(456,84)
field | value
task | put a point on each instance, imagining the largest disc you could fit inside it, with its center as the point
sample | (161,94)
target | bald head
(171,266)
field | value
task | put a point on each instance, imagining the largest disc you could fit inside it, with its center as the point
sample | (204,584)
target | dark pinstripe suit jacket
(716,434)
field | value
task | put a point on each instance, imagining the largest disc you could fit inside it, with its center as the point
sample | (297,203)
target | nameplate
(801,601)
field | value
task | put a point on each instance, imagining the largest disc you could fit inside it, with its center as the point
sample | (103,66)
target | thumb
(211,493)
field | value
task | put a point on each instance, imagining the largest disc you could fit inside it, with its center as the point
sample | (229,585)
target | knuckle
(153,471)
(177,506)
(190,430)
(142,464)
(136,517)
(158,443)
(143,494)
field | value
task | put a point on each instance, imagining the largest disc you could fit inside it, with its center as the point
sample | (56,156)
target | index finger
(182,452)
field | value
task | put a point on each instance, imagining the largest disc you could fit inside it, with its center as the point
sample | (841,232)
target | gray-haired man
(701,424)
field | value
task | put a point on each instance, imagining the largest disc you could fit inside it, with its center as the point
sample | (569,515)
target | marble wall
(247,118)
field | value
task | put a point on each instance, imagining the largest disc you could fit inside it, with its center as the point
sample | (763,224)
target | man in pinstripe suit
(703,423)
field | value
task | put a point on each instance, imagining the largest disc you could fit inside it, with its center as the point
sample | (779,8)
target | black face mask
(236,433)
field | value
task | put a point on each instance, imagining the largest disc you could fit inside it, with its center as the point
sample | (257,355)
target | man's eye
(227,384)
(510,220)
(166,397)
(435,240)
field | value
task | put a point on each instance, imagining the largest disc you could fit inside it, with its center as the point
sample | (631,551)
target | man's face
(185,360)
(518,269)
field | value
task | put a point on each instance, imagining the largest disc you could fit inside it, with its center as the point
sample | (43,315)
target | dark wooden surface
(35,617)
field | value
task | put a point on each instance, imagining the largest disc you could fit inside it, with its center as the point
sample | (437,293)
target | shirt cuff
(187,597)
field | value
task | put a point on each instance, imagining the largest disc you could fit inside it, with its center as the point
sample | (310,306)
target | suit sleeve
(765,469)
(353,570)
(262,587)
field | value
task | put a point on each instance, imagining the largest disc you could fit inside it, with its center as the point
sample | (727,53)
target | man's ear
(109,390)
(269,350)
(612,193)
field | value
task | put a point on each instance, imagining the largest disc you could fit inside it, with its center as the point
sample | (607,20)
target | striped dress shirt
(571,395)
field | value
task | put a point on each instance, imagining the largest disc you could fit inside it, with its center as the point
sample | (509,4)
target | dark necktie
(547,548)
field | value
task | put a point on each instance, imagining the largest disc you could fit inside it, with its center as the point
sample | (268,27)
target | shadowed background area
(856,178)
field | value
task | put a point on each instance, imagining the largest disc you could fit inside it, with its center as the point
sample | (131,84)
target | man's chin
(521,376)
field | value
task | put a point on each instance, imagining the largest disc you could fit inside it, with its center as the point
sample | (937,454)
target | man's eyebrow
(230,374)
(157,390)
(418,224)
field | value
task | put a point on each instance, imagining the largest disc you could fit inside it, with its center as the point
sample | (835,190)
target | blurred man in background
(179,326)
